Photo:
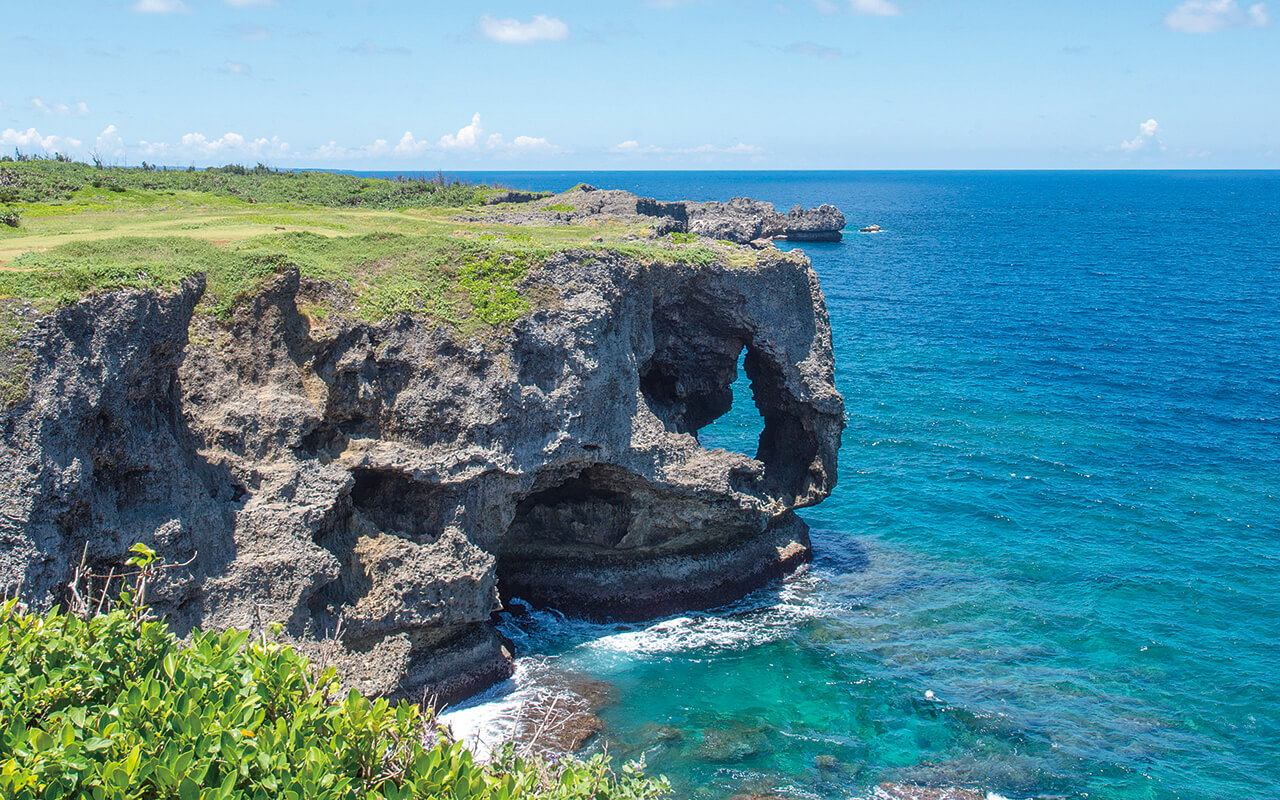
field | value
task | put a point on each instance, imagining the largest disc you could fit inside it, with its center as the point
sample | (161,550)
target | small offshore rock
(821,224)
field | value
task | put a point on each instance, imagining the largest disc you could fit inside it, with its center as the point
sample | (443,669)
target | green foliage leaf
(115,707)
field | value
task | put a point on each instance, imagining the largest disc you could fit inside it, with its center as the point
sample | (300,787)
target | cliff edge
(378,488)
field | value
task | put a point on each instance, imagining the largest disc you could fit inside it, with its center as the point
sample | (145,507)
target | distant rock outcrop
(740,220)
(377,489)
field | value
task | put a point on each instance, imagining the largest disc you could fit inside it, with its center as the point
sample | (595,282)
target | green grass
(563,208)
(454,280)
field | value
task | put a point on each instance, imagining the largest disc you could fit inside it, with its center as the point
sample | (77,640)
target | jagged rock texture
(377,489)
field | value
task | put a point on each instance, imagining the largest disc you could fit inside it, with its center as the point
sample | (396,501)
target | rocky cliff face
(378,489)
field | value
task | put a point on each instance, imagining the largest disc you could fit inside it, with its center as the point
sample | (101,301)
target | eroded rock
(377,489)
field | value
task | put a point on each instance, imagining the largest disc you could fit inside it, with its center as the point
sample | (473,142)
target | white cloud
(521,145)
(234,143)
(229,145)
(531,143)
(109,143)
(469,139)
(32,138)
(1146,133)
(409,146)
(335,151)
(512,31)
(1210,16)
(466,138)
(236,68)
(878,8)
(632,148)
(61,109)
(161,7)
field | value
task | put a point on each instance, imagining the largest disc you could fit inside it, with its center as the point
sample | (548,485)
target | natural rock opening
(788,442)
(690,384)
(686,381)
(738,430)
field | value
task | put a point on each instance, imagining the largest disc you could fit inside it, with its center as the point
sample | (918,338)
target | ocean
(1051,567)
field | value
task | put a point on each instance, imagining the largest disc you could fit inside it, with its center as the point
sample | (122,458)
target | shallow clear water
(1058,510)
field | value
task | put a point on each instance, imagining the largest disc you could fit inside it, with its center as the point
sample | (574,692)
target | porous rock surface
(377,489)
(740,220)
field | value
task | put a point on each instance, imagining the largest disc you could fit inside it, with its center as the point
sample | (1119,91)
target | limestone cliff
(378,489)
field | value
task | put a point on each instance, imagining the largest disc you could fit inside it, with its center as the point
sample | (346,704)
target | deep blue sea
(1052,563)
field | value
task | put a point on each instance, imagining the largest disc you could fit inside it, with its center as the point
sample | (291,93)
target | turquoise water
(1058,509)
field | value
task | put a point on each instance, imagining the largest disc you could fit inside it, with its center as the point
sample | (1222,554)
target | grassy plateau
(423,247)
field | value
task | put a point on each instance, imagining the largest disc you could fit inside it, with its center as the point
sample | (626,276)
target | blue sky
(646,84)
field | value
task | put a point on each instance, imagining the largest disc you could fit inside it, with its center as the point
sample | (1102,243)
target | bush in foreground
(114,706)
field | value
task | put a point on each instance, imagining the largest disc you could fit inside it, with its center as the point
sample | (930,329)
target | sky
(645,84)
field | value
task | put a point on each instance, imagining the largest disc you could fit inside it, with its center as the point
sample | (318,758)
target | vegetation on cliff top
(426,248)
(114,707)
(454,280)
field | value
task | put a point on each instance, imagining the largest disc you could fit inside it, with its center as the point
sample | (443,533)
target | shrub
(10,217)
(114,707)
